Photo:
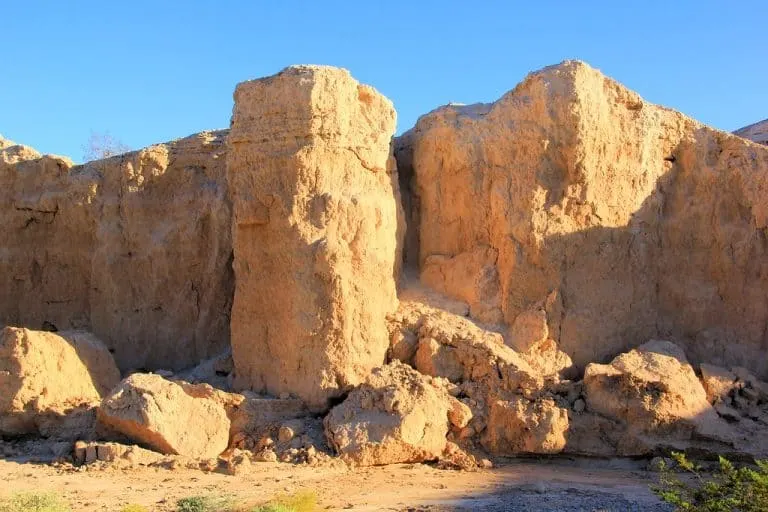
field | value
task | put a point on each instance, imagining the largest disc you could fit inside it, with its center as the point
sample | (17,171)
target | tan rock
(655,393)
(161,281)
(134,248)
(718,382)
(396,416)
(316,228)
(160,414)
(628,212)
(520,426)
(50,382)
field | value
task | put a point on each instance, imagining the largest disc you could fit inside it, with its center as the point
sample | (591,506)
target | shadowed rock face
(135,248)
(315,231)
(617,220)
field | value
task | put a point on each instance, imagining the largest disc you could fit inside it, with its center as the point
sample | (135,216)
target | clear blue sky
(151,71)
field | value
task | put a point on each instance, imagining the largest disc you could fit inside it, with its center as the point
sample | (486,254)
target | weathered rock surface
(514,402)
(655,393)
(51,382)
(398,415)
(315,232)
(161,278)
(160,414)
(573,204)
(135,248)
(520,426)
(757,132)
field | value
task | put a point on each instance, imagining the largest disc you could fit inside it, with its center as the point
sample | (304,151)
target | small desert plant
(102,145)
(134,508)
(204,504)
(34,502)
(728,489)
(300,502)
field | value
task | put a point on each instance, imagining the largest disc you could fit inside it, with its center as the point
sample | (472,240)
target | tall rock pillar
(315,231)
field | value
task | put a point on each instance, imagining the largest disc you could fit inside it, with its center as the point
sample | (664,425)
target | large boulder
(51,382)
(160,414)
(315,232)
(398,415)
(583,214)
(655,394)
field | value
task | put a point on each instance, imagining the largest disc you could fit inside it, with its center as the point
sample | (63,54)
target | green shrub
(203,504)
(34,502)
(728,489)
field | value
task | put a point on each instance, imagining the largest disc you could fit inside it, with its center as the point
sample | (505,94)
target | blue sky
(151,71)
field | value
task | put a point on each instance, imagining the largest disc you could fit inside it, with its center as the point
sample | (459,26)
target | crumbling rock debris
(398,415)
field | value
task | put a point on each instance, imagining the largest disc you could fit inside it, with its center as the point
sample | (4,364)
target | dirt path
(517,485)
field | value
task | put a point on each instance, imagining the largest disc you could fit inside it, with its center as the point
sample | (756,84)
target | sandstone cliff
(315,231)
(135,248)
(573,210)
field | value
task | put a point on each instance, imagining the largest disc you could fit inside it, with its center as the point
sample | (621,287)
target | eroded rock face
(398,415)
(51,382)
(315,232)
(586,215)
(161,278)
(135,248)
(161,414)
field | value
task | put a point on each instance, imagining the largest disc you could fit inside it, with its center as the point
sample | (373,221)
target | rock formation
(552,234)
(135,248)
(50,383)
(571,209)
(315,232)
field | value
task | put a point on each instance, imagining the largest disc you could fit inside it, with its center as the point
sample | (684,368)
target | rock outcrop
(757,132)
(573,210)
(398,415)
(135,248)
(315,232)
(50,383)
(160,414)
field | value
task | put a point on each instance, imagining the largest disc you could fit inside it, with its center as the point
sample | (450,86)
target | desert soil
(519,485)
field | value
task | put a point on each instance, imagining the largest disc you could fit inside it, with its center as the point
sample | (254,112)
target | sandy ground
(559,484)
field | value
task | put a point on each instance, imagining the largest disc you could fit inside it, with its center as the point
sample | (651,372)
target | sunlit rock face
(316,232)
(573,210)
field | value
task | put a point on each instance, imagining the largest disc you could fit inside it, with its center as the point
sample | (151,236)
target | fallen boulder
(398,415)
(160,414)
(51,382)
(655,393)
